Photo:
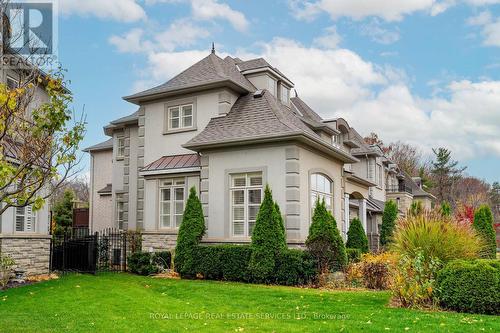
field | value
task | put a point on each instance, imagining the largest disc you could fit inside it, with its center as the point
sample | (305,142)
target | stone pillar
(347,218)
(362,213)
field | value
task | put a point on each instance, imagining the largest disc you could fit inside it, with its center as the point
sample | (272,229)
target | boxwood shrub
(146,263)
(470,286)
(223,262)
(295,267)
(230,263)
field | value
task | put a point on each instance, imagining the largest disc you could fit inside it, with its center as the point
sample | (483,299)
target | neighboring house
(24,233)
(229,127)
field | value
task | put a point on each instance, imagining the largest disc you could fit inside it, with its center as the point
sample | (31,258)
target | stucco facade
(241,123)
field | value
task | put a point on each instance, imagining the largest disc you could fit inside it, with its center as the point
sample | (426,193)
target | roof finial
(213,48)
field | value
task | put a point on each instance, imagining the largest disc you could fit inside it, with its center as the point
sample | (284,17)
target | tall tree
(190,234)
(267,239)
(388,222)
(445,174)
(63,212)
(494,198)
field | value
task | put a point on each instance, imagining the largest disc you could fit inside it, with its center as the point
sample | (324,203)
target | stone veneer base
(30,252)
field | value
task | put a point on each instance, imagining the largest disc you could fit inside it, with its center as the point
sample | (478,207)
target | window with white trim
(25,219)
(245,198)
(171,203)
(321,189)
(120,148)
(180,116)
(120,211)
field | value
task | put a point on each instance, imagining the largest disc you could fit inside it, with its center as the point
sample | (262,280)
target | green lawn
(123,303)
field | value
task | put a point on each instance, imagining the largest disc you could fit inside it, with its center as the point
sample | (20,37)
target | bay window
(171,203)
(245,199)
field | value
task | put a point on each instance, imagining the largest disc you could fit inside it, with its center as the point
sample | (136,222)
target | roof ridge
(275,107)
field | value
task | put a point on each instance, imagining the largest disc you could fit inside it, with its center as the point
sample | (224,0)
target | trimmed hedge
(146,263)
(470,286)
(223,262)
(230,263)
(353,255)
(295,267)
(388,222)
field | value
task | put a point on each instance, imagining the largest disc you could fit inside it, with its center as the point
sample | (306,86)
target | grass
(129,303)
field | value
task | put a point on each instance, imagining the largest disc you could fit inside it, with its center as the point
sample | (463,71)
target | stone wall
(158,241)
(31,253)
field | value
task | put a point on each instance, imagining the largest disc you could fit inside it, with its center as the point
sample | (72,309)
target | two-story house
(24,232)
(228,127)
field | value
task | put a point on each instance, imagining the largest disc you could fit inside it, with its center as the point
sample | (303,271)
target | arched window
(321,188)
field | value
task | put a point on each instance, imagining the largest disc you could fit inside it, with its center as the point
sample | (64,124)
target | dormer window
(336,140)
(285,95)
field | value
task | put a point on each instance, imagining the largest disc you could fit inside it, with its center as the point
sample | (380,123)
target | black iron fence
(79,251)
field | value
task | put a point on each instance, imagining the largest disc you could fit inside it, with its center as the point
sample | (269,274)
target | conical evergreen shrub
(190,233)
(356,236)
(483,224)
(324,241)
(388,222)
(268,239)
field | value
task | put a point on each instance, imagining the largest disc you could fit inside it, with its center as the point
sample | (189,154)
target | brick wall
(31,253)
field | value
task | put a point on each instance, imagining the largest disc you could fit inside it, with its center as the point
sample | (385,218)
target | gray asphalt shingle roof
(211,69)
(105,145)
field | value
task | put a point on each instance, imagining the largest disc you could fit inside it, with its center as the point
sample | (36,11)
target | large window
(120,151)
(246,197)
(120,210)
(25,219)
(172,198)
(321,189)
(180,116)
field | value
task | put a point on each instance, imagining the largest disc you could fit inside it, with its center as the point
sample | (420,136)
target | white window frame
(120,211)
(315,193)
(171,184)
(29,219)
(120,147)
(182,117)
(246,205)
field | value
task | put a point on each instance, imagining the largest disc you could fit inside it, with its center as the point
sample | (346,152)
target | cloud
(119,10)
(180,33)
(358,9)
(490,27)
(387,10)
(378,34)
(329,40)
(212,9)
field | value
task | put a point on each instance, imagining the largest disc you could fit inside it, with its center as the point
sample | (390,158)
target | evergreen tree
(190,233)
(63,212)
(356,236)
(388,222)
(324,241)
(483,223)
(445,174)
(268,239)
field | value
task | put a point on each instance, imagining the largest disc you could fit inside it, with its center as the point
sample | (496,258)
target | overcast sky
(425,72)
